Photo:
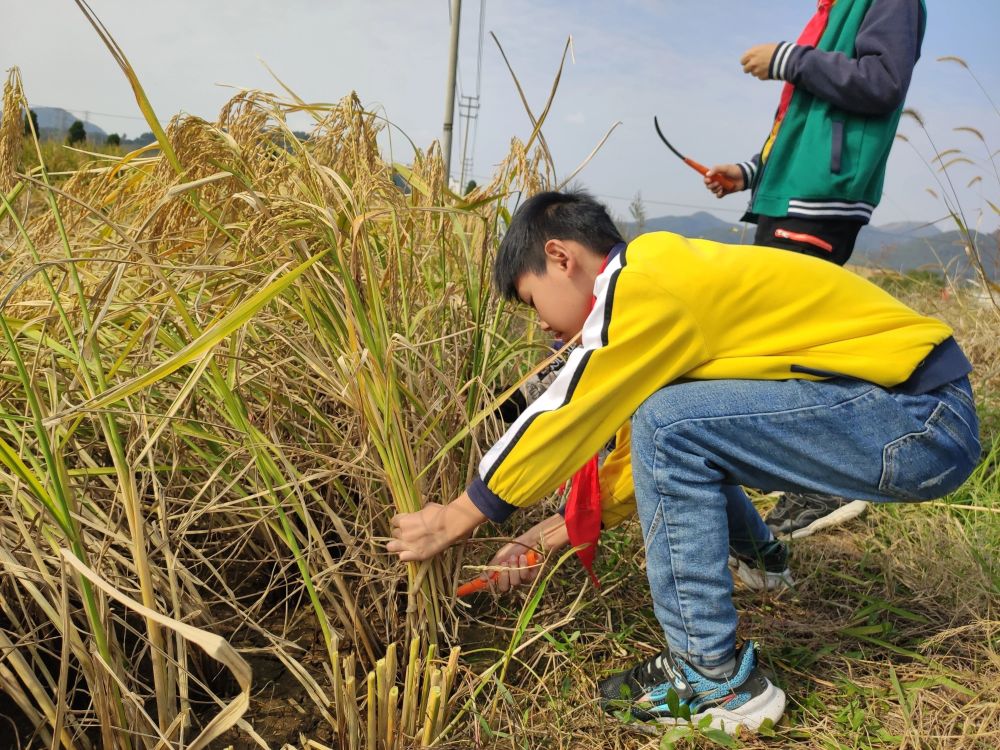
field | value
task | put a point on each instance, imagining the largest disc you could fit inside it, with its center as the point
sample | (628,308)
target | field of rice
(229,358)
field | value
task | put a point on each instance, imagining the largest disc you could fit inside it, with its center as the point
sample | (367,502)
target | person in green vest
(818,176)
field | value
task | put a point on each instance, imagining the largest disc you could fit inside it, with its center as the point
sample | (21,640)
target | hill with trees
(900,246)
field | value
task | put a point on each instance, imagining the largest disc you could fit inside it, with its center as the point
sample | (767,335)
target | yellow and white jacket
(670,308)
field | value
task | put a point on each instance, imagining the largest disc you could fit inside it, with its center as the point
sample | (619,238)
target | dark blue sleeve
(749,170)
(874,82)
(489,503)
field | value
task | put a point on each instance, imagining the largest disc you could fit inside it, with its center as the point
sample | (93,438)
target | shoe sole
(843,514)
(761,580)
(768,705)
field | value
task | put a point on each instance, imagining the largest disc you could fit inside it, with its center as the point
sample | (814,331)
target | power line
(479,51)
(468,106)
(479,75)
(101,114)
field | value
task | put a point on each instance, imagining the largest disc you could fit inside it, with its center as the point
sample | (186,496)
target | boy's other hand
(731,171)
(512,568)
(757,60)
(422,535)
(511,562)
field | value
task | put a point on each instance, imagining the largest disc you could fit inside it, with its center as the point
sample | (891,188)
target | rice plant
(226,361)
(230,356)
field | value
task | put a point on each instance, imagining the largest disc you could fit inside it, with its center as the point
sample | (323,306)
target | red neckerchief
(583,507)
(810,36)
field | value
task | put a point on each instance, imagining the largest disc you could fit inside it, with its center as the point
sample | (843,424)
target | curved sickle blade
(663,138)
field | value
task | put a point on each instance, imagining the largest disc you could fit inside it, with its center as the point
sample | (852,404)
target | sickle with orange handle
(480,584)
(722,180)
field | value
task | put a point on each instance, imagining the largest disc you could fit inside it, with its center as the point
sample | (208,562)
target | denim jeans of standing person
(695,443)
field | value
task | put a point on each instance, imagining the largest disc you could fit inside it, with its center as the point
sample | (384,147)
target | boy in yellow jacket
(732,366)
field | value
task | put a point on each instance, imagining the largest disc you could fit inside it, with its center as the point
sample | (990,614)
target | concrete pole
(449,103)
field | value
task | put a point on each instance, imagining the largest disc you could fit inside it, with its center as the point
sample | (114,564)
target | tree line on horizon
(77,133)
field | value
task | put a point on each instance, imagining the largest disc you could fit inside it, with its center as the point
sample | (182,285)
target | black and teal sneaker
(765,571)
(668,690)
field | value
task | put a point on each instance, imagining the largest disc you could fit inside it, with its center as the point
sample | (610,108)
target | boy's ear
(557,252)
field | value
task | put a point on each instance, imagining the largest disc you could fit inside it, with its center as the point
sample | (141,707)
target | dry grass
(891,638)
(218,384)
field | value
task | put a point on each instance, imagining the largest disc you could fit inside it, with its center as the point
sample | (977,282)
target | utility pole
(449,104)
(468,110)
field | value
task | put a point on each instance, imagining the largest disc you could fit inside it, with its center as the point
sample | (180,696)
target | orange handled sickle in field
(481,583)
(701,168)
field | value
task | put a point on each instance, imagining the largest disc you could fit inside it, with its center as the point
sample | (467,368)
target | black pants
(829,239)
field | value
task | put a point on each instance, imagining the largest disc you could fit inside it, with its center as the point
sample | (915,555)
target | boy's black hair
(543,217)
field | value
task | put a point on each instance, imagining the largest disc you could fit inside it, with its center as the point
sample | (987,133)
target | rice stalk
(223,371)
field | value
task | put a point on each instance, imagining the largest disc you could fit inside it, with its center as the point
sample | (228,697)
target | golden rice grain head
(11,129)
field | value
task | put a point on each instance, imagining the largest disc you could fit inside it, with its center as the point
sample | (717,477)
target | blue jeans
(695,443)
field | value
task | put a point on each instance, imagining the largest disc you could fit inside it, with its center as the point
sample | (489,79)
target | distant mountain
(911,228)
(54,122)
(942,251)
(900,246)
(704,225)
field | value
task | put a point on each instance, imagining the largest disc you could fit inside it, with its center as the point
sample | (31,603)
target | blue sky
(632,59)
